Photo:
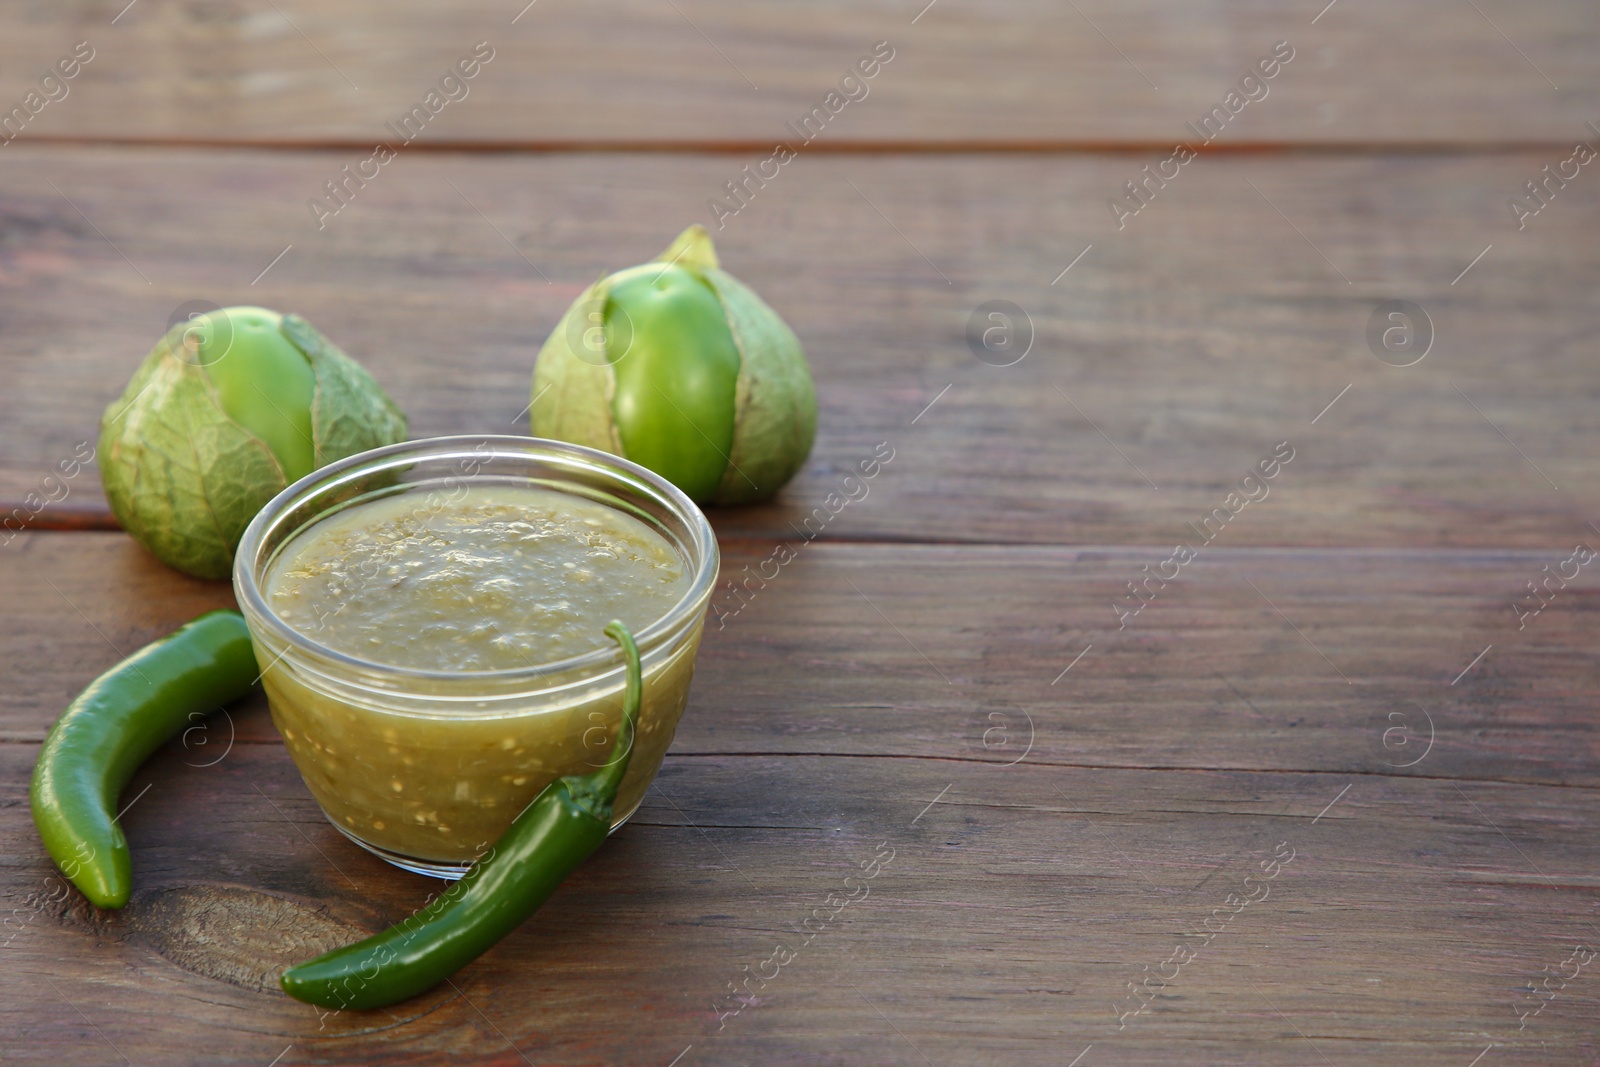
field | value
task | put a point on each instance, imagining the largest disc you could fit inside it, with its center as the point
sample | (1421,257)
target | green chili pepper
(114,725)
(564,824)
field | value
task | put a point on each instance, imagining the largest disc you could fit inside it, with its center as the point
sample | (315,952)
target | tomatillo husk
(678,366)
(226,411)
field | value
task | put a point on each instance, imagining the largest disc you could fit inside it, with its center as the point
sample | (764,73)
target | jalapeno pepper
(564,824)
(114,725)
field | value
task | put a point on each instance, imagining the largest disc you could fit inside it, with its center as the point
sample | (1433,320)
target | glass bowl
(427,768)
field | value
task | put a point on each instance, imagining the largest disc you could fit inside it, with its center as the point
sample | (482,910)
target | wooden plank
(1171,358)
(1007,926)
(703,71)
(855,701)
(958,653)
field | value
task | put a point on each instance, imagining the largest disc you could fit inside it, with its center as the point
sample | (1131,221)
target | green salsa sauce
(495,578)
(505,577)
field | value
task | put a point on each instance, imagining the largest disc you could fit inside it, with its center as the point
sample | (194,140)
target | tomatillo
(678,366)
(228,409)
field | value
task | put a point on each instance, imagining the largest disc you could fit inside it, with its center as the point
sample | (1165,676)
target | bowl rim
(247,588)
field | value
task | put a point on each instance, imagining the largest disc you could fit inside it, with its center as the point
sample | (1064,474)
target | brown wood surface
(1163,769)
(1208,675)
(1342,672)
(1169,360)
(734,71)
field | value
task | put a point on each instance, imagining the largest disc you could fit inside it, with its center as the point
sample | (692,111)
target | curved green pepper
(564,824)
(114,725)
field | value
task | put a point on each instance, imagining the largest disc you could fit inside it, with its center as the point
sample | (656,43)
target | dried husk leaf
(692,248)
(573,387)
(775,414)
(181,476)
(350,412)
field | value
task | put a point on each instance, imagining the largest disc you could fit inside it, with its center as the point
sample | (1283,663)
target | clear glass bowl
(472,747)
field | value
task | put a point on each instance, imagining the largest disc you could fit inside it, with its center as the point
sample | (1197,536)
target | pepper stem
(598,790)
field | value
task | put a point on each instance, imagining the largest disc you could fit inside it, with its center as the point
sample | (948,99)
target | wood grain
(957,654)
(1171,358)
(1022,72)
(1006,927)
(1051,839)
(1341,674)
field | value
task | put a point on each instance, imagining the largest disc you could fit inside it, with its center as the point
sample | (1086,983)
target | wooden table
(1337,698)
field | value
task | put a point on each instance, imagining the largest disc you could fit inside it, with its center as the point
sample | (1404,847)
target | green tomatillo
(229,408)
(678,366)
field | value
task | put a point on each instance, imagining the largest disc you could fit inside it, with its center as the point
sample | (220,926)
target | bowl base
(448,870)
